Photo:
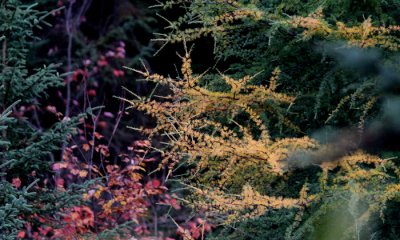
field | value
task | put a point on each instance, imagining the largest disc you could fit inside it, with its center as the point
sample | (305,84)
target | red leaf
(118,73)
(91,93)
(79,75)
(16,182)
(102,62)
(21,234)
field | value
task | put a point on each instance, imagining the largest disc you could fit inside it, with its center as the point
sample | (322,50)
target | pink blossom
(108,114)
(120,55)
(60,182)
(86,62)
(121,49)
(110,54)
(51,109)
(95,69)
(52,51)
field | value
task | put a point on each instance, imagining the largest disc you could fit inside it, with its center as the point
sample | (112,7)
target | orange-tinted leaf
(83,173)
(98,135)
(85,147)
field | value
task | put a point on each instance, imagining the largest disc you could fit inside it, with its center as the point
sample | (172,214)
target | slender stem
(4,52)
(69,29)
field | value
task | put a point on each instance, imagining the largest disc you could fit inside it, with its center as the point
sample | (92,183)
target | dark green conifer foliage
(26,147)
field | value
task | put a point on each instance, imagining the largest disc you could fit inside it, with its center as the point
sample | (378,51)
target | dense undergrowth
(222,119)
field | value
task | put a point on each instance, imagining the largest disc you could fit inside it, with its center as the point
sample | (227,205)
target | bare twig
(71,25)
(4,52)
(69,29)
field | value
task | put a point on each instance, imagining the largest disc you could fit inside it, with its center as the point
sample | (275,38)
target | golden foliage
(201,127)
(191,116)
(191,120)
(212,25)
(248,204)
(351,163)
(364,35)
(229,14)
(187,118)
